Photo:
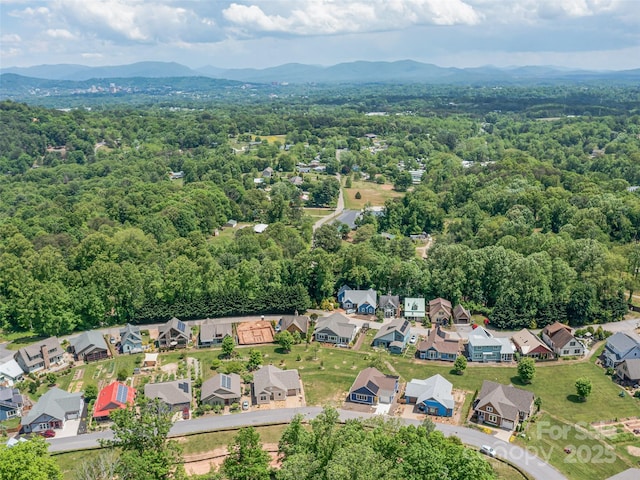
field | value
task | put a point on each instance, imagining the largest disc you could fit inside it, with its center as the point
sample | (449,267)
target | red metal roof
(108,399)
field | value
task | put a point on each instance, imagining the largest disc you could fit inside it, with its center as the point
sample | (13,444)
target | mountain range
(404,71)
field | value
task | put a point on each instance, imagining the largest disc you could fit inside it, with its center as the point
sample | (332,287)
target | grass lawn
(590,457)
(370,192)
(227,233)
(205,442)
(504,471)
(69,462)
(18,339)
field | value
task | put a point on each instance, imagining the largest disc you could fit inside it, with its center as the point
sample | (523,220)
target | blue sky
(593,34)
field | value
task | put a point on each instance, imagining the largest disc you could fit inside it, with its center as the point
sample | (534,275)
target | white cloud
(60,33)
(10,38)
(91,55)
(326,17)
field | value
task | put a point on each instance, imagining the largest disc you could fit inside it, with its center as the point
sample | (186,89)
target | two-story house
(414,308)
(484,347)
(389,305)
(212,333)
(503,406)
(40,355)
(560,339)
(130,339)
(11,403)
(620,347)
(440,311)
(393,336)
(174,334)
(360,301)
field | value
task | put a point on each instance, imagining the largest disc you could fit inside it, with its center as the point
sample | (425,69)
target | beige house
(272,384)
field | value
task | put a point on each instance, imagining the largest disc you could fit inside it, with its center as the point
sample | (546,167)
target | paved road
(336,212)
(519,456)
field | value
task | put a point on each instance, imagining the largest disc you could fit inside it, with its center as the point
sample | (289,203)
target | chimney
(45,355)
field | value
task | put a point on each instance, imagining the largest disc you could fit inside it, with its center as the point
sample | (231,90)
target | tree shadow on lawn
(517,381)
(573,398)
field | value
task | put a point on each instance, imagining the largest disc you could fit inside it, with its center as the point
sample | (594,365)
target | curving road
(525,460)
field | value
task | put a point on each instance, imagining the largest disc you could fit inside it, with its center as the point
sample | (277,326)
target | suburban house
(53,409)
(176,395)
(559,338)
(393,336)
(112,397)
(372,387)
(503,406)
(174,334)
(390,305)
(414,308)
(267,172)
(231,223)
(212,334)
(294,323)
(11,402)
(461,314)
(629,370)
(439,345)
(335,329)
(529,345)
(130,339)
(90,346)
(10,371)
(440,311)
(221,389)
(40,355)
(484,347)
(620,347)
(272,384)
(432,395)
(362,301)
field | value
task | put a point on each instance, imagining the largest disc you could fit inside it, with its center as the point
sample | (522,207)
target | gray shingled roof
(217,385)
(87,341)
(506,400)
(633,367)
(171,393)
(375,381)
(29,353)
(173,324)
(620,343)
(269,377)
(55,403)
(437,388)
(337,323)
(301,321)
(209,330)
(401,325)
(389,300)
(130,332)
(360,297)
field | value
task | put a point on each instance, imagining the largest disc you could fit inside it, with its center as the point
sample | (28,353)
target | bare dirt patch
(253,333)
(635,451)
(170,368)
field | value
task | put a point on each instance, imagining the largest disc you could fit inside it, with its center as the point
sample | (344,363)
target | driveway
(70,429)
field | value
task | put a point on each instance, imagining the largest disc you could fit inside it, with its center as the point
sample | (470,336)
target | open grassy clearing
(205,442)
(370,192)
(18,339)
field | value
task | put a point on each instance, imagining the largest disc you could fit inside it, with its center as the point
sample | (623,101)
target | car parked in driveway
(245,405)
(413,339)
(49,433)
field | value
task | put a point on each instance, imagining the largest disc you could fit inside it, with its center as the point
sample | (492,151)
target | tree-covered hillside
(535,220)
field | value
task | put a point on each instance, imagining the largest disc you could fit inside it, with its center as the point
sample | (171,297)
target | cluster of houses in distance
(499,405)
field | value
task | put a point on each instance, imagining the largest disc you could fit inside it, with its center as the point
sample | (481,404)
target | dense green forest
(534,218)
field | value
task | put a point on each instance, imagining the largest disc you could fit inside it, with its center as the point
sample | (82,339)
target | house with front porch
(439,345)
(414,308)
(432,396)
(294,323)
(335,329)
(529,345)
(41,355)
(90,346)
(52,410)
(363,302)
(221,389)
(371,387)
(389,305)
(174,334)
(560,339)
(393,336)
(484,347)
(271,383)
(212,333)
(503,406)
(130,339)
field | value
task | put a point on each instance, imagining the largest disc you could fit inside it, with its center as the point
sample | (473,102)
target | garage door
(507,424)
(73,416)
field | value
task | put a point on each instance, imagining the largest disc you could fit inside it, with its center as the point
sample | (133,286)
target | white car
(245,405)
(487,450)
(413,339)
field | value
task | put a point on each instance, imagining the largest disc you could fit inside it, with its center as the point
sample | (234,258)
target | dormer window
(490,409)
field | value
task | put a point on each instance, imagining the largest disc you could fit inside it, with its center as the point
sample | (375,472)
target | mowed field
(370,192)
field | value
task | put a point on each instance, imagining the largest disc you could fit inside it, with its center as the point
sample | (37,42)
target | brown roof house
(372,387)
(90,346)
(439,345)
(40,355)
(294,323)
(222,389)
(529,345)
(461,314)
(272,384)
(440,311)
(174,334)
(503,406)
(560,339)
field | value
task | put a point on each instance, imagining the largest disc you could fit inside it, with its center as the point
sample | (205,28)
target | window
(490,409)
(572,344)
(263,398)
(577,351)
(492,419)
(360,397)
(565,352)
(43,426)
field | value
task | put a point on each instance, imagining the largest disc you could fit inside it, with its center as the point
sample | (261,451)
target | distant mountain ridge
(403,71)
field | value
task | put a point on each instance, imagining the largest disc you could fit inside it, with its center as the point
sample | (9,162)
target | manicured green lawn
(205,442)
(590,457)
(370,192)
